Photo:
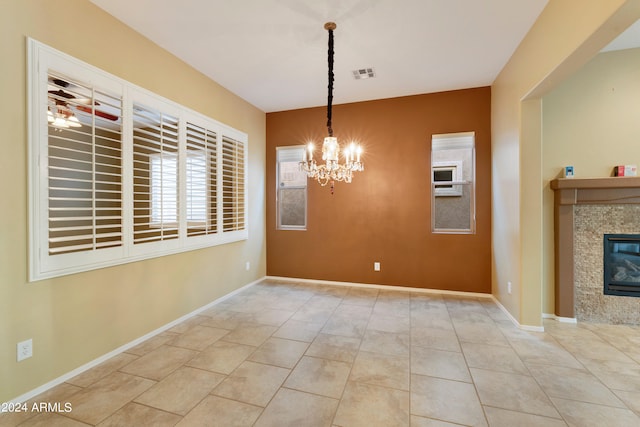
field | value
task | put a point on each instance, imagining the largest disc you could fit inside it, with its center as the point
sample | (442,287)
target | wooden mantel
(569,192)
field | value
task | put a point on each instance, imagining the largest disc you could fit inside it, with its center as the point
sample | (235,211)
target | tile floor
(294,354)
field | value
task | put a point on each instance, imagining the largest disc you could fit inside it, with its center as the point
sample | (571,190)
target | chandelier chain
(330,86)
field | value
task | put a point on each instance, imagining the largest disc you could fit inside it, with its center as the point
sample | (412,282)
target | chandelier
(332,170)
(61,116)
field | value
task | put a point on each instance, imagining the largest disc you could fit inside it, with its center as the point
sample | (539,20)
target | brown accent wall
(385,213)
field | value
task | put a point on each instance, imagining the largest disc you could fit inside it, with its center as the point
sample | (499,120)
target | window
(453,183)
(118,174)
(291,191)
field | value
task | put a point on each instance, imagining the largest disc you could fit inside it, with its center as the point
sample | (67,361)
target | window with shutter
(155,175)
(233,185)
(118,174)
(202,181)
(84,166)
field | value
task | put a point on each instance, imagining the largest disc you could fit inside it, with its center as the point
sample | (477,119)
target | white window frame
(280,185)
(42,60)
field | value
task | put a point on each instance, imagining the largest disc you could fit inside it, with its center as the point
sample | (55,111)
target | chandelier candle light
(332,170)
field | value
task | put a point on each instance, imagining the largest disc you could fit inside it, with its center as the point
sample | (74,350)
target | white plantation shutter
(155,175)
(84,169)
(202,181)
(233,186)
(118,174)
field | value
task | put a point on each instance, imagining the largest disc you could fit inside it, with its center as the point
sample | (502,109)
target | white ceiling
(273,53)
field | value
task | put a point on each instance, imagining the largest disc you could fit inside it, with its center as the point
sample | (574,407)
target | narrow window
(233,185)
(291,191)
(202,181)
(453,183)
(155,175)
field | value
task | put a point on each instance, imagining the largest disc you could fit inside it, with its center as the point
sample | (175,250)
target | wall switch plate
(25,349)
(376,266)
(509,287)
(247,266)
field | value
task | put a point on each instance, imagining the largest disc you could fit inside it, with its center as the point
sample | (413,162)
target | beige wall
(566,35)
(77,318)
(591,121)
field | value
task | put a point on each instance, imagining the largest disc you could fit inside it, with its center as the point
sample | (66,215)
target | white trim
(559,318)
(95,362)
(529,328)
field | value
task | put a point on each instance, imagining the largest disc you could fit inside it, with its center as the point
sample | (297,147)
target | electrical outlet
(25,349)
(376,266)
(247,266)
(509,287)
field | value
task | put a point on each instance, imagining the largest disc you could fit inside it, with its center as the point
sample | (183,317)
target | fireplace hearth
(622,264)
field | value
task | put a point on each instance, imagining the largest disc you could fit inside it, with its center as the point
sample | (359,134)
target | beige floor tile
(630,398)
(216,411)
(94,374)
(313,314)
(395,324)
(345,326)
(134,414)
(544,350)
(361,296)
(222,357)
(59,394)
(438,363)
(268,317)
(480,333)
(319,376)
(252,383)
(334,347)
(52,419)
(512,391)
(504,418)
(446,400)
(381,370)
(198,338)
(392,307)
(299,331)
(493,357)
(417,421)
(181,390)
(219,318)
(160,362)
(435,338)
(615,375)
(279,352)
(366,405)
(396,344)
(583,414)
(184,326)
(355,312)
(103,398)
(250,334)
(295,408)
(324,301)
(436,322)
(575,384)
(152,343)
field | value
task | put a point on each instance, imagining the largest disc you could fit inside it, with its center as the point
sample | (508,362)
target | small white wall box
(568,171)
(625,170)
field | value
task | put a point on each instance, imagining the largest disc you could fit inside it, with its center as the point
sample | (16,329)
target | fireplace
(622,264)
(586,209)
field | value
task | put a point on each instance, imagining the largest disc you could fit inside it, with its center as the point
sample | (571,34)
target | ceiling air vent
(364,73)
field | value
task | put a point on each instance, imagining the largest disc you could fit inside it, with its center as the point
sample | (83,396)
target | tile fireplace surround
(585,210)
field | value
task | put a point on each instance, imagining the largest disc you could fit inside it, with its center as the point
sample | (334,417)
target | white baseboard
(529,328)
(559,319)
(31,394)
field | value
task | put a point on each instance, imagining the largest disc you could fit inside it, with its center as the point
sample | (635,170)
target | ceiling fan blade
(98,113)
